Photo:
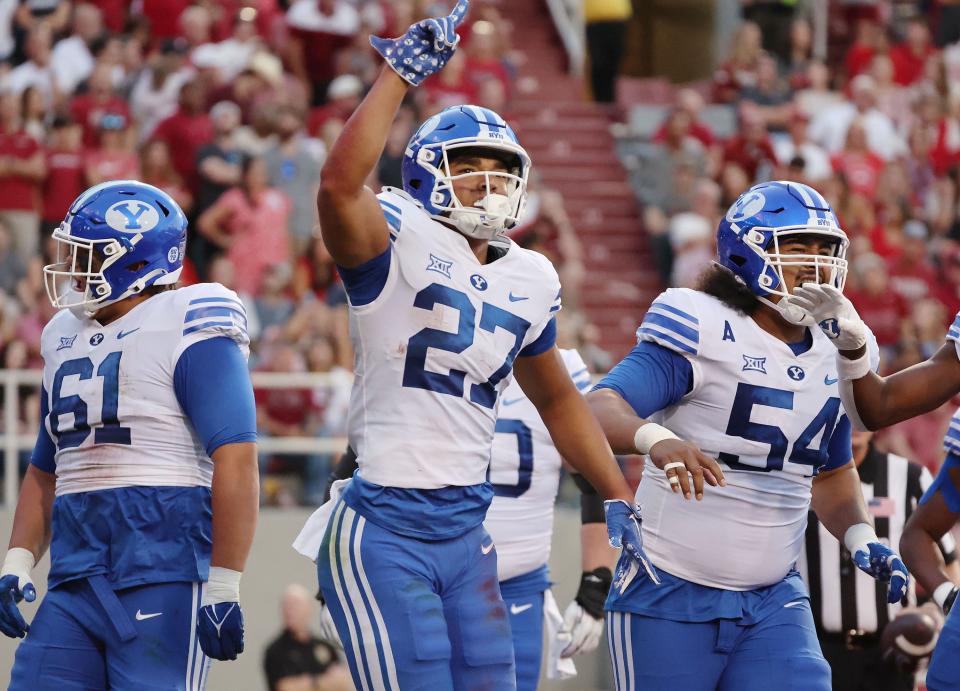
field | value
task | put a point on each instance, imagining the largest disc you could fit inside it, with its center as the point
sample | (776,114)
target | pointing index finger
(459,12)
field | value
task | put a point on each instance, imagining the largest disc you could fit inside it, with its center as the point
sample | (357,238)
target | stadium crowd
(875,128)
(230,107)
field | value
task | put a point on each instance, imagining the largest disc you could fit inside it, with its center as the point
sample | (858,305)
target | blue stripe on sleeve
(44,451)
(665,339)
(212,385)
(679,313)
(392,221)
(213,311)
(840,449)
(364,283)
(650,378)
(545,341)
(392,207)
(944,484)
(666,323)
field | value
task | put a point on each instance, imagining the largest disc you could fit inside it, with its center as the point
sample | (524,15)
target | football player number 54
(110,431)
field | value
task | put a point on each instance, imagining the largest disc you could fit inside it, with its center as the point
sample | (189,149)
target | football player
(443,309)
(873,402)
(143,481)
(730,367)
(525,474)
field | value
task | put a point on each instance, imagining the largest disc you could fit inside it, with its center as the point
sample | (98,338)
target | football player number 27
(415,374)
(747,397)
(110,431)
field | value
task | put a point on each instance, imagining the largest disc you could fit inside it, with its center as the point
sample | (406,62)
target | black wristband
(344,469)
(591,509)
(594,586)
(583,484)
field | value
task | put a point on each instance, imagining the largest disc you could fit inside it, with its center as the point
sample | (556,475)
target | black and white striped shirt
(842,597)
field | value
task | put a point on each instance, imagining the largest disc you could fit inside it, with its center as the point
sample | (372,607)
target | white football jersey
(114,414)
(525,473)
(435,349)
(767,415)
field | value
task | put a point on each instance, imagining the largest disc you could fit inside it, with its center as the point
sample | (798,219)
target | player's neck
(768,319)
(112,313)
(479,248)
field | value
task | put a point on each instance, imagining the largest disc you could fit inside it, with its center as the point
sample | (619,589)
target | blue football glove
(220,630)
(883,564)
(15,586)
(623,529)
(425,48)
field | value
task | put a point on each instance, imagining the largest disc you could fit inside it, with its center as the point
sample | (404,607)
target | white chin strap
(486,219)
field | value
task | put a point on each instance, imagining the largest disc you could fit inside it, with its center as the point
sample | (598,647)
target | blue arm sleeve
(840,450)
(365,282)
(213,387)
(44,451)
(545,341)
(943,483)
(650,378)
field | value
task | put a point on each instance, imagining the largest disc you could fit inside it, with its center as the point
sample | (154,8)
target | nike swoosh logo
(511,401)
(516,298)
(142,617)
(828,381)
(795,603)
(517,609)
(486,549)
(121,334)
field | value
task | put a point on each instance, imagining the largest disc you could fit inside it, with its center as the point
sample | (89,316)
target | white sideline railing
(14,443)
(567,16)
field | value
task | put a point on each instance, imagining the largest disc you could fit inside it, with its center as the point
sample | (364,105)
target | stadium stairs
(568,138)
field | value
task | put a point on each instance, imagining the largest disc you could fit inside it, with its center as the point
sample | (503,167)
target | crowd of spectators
(876,130)
(229,106)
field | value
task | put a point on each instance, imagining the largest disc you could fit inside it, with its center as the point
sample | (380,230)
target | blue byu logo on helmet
(133,216)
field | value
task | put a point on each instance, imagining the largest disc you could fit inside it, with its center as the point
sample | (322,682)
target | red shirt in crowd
(18,193)
(698,131)
(114,13)
(882,313)
(861,170)
(89,111)
(64,183)
(164,16)
(260,232)
(914,280)
(286,406)
(185,134)
(907,65)
(749,155)
(858,59)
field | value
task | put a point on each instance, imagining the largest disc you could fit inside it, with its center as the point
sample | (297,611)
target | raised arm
(351,221)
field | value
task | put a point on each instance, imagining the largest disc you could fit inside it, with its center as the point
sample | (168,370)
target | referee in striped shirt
(849,608)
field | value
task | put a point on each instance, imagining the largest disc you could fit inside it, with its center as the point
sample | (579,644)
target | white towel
(311,535)
(558,638)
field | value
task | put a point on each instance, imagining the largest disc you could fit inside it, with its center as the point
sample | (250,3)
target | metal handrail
(567,16)
(13,442)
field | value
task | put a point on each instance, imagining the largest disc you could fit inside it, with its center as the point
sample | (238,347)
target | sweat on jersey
(436,334)
(131,413)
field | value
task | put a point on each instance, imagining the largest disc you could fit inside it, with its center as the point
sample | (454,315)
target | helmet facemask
(830,269)
(495,212)
(77,279)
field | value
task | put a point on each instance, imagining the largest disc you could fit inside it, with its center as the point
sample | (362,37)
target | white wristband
(649,434)
(853,369)
(19,562)
(858,536)
(941,592)
(223,585)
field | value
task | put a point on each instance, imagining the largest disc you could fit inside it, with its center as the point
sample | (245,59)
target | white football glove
(833,313)
(585,630)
